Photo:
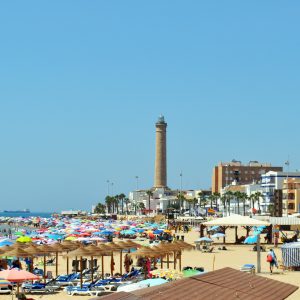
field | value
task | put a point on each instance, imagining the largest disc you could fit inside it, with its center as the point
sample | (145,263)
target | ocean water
(32,214)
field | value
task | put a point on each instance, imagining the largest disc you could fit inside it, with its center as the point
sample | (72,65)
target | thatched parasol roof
(132,244)
(81,251)
(147,252)
(45,249)
(57,247)
(20,245)
(69,245)
(115,247)
(95,251)
(33,250)
(184,245)
(129,245)
(5,249)
(17,252)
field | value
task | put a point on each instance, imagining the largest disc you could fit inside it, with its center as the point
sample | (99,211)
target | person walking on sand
(272,260)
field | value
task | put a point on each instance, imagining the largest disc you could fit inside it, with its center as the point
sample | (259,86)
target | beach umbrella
(19,245)
(98,239)
(148,253)
(204,239)
(17,252)
(70,238)
(24,239)
(128,232)
(5,242)
(185,245)
(5,249)
(81,251)
(116,248)
(105,251)
(131,244)
(95,251)
(44,250)
(252,239)
(107,232)
(55,236)
(218,235)
(4,282)
(18,276)
(57,248)
(19,233)
(32,250)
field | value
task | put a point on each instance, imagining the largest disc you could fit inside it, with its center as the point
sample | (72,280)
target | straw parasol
(131,244)
(147,252)
(33,251)
(183,246)
(17,252)
(95,251)
(116,248)
(105,251)
(81,251)
(57,248)
(44,250)
(166,249)
(19,245)
(69,245)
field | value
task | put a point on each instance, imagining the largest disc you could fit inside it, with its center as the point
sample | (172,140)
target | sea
(26,215)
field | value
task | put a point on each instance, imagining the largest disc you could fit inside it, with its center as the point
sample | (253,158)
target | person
(272,259)
(127,262)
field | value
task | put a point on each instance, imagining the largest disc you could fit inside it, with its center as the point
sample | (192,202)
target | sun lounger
(39,287)
(91,291)
(249,268)
(5,290)
(64,280)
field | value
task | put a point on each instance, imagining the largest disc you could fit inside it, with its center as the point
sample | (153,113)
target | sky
(82,84)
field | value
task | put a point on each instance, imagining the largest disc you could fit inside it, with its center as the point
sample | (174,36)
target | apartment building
(291,195)
(234,171)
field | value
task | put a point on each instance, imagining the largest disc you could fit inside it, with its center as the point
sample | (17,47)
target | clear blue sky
(83,82)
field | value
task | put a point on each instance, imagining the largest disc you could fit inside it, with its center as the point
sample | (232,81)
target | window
(291,206)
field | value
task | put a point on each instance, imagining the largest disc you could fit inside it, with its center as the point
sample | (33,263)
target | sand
(234,257)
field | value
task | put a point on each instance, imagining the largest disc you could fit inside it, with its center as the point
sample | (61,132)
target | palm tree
(211,199)
(99,209)
(108,202)
(244,197)
(181,199)
(150,194)
(229,196)
(122,197)
(252,200)
(224,200)
(141,206)
(216,197)
(127,201)
(257,196)
(237,196)
(194,201)
(202,199)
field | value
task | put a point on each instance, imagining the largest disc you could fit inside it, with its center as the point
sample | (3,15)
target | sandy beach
(234,257)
